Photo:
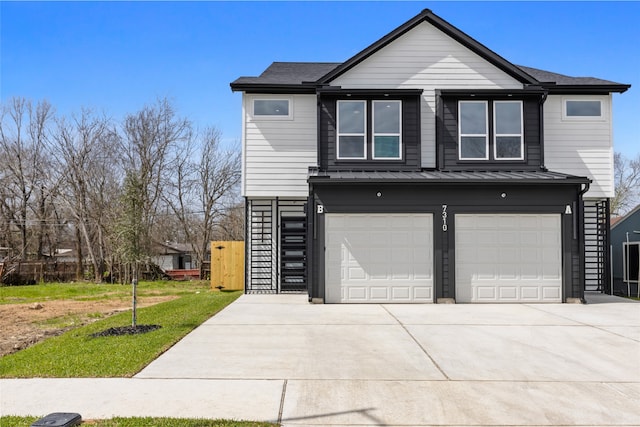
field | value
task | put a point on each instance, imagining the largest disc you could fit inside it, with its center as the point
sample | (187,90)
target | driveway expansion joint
(424,350)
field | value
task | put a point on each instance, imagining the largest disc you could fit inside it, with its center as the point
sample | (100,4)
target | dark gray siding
(426,198)
(410,136)
(447,124)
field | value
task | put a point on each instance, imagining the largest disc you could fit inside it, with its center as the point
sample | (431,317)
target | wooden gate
(227,265)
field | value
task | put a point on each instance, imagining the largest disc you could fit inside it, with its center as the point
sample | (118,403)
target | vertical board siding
(425,58)
(227,264)
(580,147)
(278,153)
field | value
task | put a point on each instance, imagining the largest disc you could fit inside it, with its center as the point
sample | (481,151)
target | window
(582,109)
(503,122)
(352,137)
(507,125)
(631,261)
(271,108)
(387,119)
(473,130)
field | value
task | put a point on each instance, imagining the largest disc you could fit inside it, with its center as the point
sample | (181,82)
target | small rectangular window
(507,124)
(585,109)
(473,130)
(387,123)
(352,116)
(271,108)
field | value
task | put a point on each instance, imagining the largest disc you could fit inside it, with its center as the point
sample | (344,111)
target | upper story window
(473,126)
(387,135)
(508,134)
(271,108)
(582,109)
(358,118)
(352,135)
(477,132)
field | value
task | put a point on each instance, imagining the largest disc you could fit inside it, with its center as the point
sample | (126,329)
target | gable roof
(305,77)
(430,17)
(620,220)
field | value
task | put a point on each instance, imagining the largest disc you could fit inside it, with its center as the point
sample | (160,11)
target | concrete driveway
(278,358)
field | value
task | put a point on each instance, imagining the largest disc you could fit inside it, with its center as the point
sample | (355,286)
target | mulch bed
(126,330)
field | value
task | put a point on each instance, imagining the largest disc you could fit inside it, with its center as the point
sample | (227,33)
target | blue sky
(118,56)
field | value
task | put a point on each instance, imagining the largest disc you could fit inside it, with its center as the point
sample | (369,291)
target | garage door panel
(508,293)
(385,257)
(522,262)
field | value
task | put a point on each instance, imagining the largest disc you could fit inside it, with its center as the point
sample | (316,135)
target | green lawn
(96,292)
(76,354)
(11,421)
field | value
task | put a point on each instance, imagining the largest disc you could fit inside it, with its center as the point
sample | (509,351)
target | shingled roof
(305,77)
(563,82)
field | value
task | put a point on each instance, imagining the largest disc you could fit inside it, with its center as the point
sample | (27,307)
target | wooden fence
(227,265)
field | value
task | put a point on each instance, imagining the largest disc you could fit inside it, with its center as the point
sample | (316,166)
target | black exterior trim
(273,88)
(585,89)
(447,122)
(461,198)
(516,178)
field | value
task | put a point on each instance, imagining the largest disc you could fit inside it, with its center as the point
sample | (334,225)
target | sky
(117,57)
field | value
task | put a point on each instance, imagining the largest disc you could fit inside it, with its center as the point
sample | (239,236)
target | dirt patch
(22,325)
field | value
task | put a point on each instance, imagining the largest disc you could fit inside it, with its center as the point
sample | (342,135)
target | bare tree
(203,189)
(150,137)
(83,150)
(27,190)
(231,226)
(627,183)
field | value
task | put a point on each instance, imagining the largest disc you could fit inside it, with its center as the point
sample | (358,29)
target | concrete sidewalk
(278,358)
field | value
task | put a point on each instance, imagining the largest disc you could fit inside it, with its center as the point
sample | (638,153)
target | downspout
(541,129)
(579,224)
(247,242)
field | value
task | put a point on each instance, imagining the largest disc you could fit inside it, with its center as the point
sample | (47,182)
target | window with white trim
(508,138)
(490,130)
(582,109)
(387,130)
(352,130)
(271,108)
(473,130)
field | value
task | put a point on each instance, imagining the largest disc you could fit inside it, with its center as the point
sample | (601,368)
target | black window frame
(490,132)
(369,133)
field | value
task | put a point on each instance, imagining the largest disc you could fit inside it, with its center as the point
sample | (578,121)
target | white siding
(277,153)
(580,147)
(425,58)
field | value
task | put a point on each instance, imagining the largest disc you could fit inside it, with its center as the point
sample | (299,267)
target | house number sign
(444,218)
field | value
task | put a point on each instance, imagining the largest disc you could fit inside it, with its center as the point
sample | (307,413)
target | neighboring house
(426,168)
(625,253)
(174,256)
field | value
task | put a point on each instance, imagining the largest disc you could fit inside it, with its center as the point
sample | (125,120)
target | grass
(81,291)
(75,354)
(142,422)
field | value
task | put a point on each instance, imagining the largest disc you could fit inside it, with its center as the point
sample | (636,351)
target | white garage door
(508,258)
(374,258)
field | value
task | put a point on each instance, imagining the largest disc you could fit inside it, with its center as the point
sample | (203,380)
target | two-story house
(426,168)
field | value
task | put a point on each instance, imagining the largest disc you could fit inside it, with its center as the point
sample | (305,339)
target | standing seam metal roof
(446,176)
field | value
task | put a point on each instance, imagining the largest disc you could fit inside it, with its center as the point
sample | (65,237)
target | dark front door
(293,254)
